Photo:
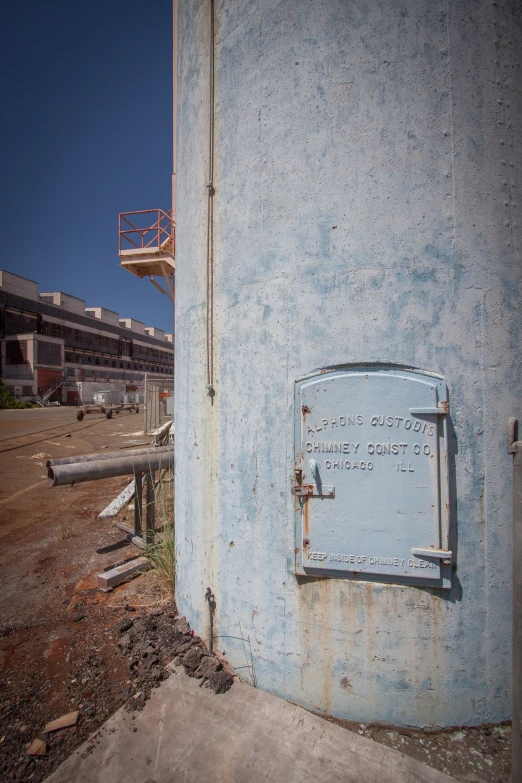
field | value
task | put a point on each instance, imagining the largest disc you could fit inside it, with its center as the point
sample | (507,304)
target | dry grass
(160,554)
(64,531)
(160,551)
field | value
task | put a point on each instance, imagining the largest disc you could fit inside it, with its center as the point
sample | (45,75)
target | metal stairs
(43,401)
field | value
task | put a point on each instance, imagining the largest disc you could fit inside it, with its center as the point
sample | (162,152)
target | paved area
(28,421)
(187,733)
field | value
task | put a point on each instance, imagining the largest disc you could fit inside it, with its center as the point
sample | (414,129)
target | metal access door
(370,479)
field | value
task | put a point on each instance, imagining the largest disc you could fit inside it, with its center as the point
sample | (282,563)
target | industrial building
(56,348)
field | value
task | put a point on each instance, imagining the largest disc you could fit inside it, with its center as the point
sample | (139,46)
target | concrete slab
(187,733)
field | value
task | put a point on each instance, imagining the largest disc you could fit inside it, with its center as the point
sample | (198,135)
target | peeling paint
(387,130)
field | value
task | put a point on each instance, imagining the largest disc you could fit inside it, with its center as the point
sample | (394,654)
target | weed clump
(160,551)
(64,531)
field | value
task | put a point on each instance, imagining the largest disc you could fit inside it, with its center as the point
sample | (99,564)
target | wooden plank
(117,504)
(126,528)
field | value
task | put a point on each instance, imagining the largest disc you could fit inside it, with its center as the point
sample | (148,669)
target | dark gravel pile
(151,642)
(201,664)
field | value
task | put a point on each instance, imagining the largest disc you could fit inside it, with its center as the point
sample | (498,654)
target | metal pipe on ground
(104,455)
(61,475)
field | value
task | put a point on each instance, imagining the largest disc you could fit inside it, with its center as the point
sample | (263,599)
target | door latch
(301,490)
(312,491)
(445,555)
(441,410)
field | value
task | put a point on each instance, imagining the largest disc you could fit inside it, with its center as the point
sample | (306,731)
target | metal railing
(43,399)
(143,463)
(51,390)
(147,228)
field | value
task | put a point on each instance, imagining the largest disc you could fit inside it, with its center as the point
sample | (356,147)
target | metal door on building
(72,397)
(371,479)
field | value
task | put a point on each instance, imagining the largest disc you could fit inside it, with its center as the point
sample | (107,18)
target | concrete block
(121,573)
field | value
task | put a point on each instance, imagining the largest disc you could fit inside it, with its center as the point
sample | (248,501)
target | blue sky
(86,133)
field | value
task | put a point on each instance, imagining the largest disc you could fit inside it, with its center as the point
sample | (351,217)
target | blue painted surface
(376,459)
(368,162)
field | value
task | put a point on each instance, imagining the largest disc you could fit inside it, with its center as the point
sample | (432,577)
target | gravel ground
(475,755)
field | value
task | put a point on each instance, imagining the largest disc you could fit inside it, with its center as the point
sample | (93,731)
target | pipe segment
(61,475)
(51,463)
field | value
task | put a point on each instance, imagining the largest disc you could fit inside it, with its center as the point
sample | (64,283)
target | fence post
(138,503)
(151,507)
(514,447)
(145,405)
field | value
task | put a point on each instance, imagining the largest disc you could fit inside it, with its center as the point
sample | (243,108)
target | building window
(17,322)
(48,353)
(16,352)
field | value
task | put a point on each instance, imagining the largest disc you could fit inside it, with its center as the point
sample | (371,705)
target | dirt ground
(58,648)
(60,637)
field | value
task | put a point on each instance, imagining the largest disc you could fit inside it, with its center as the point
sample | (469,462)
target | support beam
(138,504)
(168,277)
(159,287)
(151,507)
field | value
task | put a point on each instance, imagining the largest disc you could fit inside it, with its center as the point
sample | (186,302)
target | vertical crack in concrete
(254,488)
